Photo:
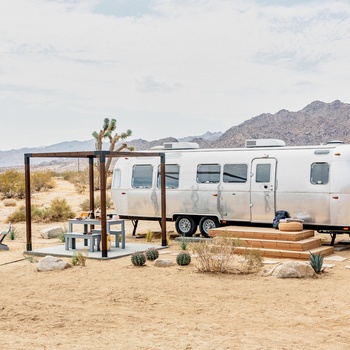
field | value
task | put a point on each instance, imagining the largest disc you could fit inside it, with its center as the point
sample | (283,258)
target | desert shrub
(216,255)
(42,180)
(80,187)
(149,235)
(219,255)
(85,205)
(251,261)
(12,184)
(59,210)
(9,202)
(78,259)
(19,215)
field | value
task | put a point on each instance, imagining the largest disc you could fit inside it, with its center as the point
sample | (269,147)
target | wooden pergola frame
(101,155)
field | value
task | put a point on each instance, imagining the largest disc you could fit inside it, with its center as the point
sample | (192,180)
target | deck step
(290,254)
(260,233)
(304,244)
(274,243)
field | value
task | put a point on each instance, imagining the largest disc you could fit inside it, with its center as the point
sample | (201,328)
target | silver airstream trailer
(214,187)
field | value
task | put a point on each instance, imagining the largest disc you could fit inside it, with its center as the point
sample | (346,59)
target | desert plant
(12,184)
(42,180)
(58,211)
(252,261)
(78,259)
(216,255)
(13,233)
(138,259)
(152,254)
(183,244)
(85,205)
(183,258)
(9,202)
(316,262)
(149,236)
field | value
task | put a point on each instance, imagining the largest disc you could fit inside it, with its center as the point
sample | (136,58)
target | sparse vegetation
(13,233)
(316,262)
(78,259)
(10,202)
(219,256)
(85,205)
(149,235)
(183,244)
(12,184)
(58,211)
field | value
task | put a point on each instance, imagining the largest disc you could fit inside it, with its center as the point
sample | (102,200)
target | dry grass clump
(219,256)
(9,202)
(59,210)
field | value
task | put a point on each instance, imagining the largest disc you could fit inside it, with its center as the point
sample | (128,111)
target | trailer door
(262,190)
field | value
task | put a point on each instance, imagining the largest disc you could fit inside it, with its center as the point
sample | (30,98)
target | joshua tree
(109,125)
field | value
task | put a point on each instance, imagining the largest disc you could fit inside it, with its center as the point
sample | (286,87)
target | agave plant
(316,262)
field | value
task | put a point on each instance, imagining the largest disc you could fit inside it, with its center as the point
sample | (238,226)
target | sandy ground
(115,305)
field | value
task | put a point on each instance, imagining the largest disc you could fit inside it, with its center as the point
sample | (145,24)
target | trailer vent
(264,143)
(177,145)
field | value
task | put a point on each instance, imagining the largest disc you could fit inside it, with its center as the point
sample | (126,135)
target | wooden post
(28,203)
(102,155)
(163,198)
(91,183)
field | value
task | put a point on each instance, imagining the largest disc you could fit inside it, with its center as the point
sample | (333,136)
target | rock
(294,269)
(163,263)
(49,263)
(51,232)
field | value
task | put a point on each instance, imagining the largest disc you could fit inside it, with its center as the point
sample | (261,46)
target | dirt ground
(112,304)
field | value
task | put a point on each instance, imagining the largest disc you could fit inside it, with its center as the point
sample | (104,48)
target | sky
(164,67)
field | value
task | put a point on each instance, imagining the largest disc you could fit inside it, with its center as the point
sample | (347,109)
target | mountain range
(317,123)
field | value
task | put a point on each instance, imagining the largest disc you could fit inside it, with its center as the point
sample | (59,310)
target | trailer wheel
(205,224)
(185,226)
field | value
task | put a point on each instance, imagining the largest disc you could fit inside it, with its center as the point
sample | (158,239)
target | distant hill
(15,157)
(315,124)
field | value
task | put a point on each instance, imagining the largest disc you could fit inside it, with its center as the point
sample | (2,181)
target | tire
(206,223)
(185,226)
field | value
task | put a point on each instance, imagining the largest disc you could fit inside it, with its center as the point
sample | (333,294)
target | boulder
(293,269)
(163,263)
(49,263)
(51,232)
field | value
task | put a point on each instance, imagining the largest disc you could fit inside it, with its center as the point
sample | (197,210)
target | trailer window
(116,179)
(235,173)
(319,173)
(208,173)
(171,176)
(263,172)
(142,176)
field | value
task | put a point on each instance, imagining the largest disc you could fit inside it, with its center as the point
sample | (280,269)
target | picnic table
(94,235)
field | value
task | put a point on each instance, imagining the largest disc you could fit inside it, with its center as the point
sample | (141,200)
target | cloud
(216,62)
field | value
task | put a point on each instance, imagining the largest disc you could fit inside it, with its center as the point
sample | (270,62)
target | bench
(93,238)
(117,234)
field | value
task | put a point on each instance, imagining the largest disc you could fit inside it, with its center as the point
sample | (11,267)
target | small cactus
(183,258)
(316,262)
(152,254)
(138,259)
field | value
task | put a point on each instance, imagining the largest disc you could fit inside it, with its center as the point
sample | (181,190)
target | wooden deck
(274,243)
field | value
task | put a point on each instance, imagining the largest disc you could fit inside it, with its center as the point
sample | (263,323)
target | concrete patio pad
(114,253)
